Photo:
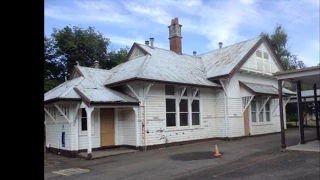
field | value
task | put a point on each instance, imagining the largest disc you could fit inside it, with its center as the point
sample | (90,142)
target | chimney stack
(151,41)
(96,64)
(194,53)
(220,45)
(147,43)
(175,36)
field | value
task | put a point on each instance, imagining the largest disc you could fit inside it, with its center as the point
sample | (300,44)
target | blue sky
(204,22)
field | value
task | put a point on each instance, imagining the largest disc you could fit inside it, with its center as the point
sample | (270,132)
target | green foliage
(71,44)
(82,45)
(278,41)
(116,57)
(50,84)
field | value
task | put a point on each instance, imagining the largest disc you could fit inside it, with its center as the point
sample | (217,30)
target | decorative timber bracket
(247,100)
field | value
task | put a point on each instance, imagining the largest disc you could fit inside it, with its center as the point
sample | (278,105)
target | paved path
(249,158)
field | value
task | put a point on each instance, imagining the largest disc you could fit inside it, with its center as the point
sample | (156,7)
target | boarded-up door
(107,126)
(246,122)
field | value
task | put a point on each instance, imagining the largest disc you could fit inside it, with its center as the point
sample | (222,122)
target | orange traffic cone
(217,153)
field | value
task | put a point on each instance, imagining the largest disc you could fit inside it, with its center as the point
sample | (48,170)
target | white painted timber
(95,134)
(126,127)
(262,65)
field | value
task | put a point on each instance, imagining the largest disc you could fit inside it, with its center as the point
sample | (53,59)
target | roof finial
(96,64)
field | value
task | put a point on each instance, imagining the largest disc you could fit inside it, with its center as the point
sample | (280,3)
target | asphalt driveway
(248,158)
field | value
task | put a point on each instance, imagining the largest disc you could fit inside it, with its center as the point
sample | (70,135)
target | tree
(68,45)
(278,41)
(116,57)
(78,44)
(295,63)
(52,67)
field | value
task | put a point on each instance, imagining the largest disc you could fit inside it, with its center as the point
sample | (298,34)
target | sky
(205,23)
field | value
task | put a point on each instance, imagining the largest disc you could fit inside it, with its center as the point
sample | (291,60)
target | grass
(310,123)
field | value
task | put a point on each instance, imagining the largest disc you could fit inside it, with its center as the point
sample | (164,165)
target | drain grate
(71,171)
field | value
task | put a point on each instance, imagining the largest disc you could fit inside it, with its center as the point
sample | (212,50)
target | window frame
(255,111)
(263,111)
(267,111)
(93,118)
(173,97)
(81,119)
(177,95)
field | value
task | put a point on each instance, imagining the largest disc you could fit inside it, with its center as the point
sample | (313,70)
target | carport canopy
(307,76)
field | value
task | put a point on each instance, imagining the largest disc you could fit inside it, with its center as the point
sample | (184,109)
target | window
(83,120)
(253,111)
(195,112)
(259,53)
(169,90)
(264,114)
(170,106)
(268,112)
(265,55)
(260,103)
(184,112)
(171,112)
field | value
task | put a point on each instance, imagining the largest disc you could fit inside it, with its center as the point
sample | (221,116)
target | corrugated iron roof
(64,90)
(163,65)
(222,61)
(91,86)
(287,91)
(265,89)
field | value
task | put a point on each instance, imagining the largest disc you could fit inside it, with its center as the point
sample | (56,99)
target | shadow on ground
(190,156)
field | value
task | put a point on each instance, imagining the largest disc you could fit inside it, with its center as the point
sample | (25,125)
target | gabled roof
(88,87)
(156,64)
(226,61)
(163,66)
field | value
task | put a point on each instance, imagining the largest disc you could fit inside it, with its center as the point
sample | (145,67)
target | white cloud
(125,40)
(104,11)
(215,20)
(157,15)
(128,41)
(221,21)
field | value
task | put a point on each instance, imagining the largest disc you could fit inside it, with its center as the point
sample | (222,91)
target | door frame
(115,118)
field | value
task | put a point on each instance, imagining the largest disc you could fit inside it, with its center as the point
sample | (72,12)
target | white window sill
(168,129)
(261,123)
(85,133)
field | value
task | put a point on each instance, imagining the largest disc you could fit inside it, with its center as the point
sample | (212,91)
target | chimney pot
(194,53)
(147,43)
(220,45)
(151,41)
(96,64)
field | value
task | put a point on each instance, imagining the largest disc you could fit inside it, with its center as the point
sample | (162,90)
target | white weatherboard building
(160,97)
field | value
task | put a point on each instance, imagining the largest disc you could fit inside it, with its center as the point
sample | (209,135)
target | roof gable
(262,61)
(224,61)
(136,51)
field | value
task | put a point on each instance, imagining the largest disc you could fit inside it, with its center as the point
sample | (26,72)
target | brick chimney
(175,36)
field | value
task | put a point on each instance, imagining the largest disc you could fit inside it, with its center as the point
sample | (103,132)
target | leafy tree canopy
(71,44)
(278,41)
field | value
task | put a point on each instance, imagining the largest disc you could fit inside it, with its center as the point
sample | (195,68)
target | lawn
(310,123)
